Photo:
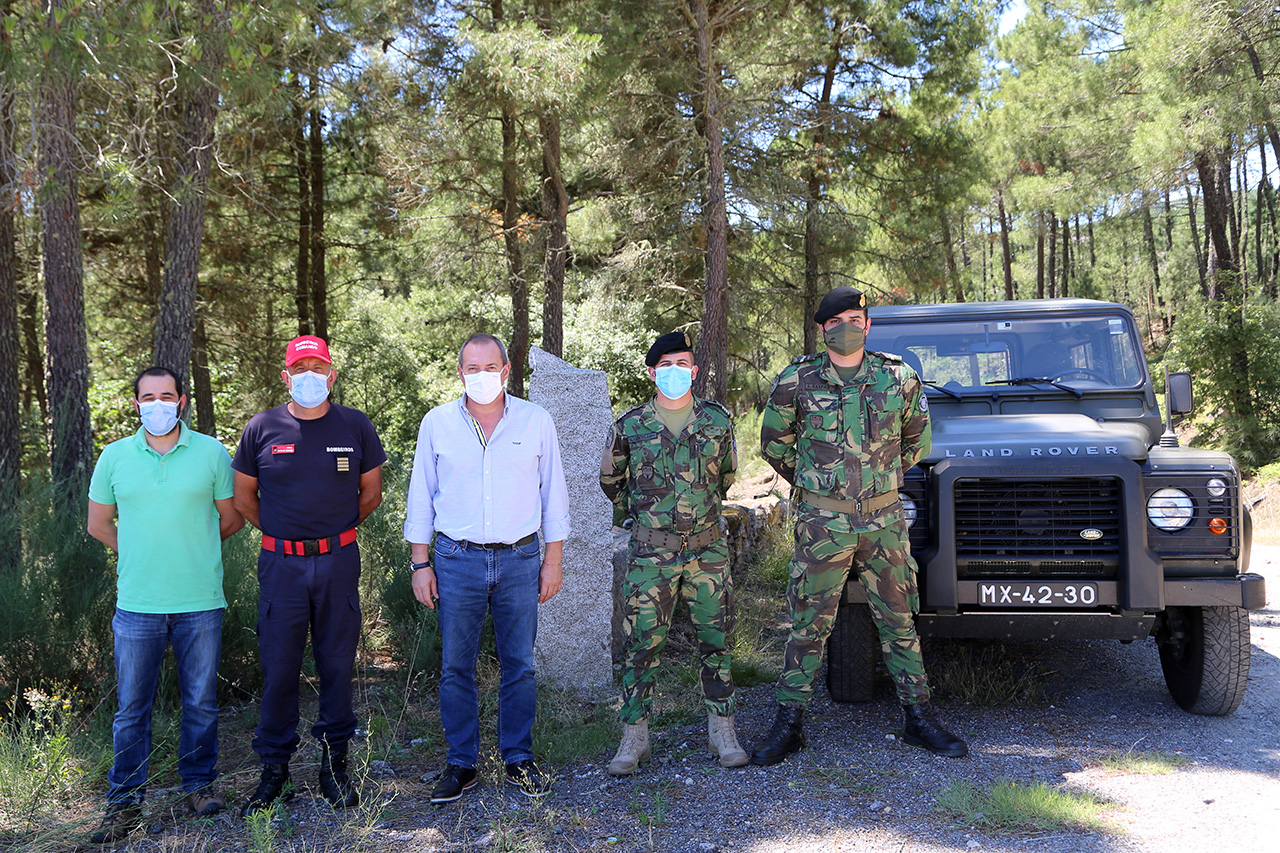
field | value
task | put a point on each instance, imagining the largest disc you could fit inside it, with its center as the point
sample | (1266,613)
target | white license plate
(1037,594)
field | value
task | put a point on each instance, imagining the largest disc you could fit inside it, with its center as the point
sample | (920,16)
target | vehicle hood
(1050,437)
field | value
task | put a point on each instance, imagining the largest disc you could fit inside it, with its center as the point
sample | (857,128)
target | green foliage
(58,600)
(1014,809)
(1206,340)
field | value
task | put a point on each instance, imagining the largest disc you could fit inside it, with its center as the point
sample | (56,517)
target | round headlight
(1169,509)
(909,512)
(1217,487)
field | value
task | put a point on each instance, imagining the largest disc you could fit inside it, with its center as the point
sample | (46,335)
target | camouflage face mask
(845,338)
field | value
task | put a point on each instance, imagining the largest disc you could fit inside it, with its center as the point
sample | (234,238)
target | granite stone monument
(575,627)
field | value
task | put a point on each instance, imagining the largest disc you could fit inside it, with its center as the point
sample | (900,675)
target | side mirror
(1178,397)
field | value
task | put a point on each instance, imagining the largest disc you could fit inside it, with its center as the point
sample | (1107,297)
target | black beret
(840,299)
(670,342)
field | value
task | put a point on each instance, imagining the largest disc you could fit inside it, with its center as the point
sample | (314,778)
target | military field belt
(862,507)
(669,541)
(308,547)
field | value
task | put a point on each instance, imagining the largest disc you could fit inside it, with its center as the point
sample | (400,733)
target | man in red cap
(306,474)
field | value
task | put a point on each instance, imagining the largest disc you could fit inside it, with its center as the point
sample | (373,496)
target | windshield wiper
(953,394)
(1036,380)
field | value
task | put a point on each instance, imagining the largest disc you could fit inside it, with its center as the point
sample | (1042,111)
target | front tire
(852,651)
(1204,652)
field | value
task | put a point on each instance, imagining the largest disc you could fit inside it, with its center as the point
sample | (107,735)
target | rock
(573,647)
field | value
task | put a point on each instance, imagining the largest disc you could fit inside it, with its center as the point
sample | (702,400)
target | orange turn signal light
(1217,526)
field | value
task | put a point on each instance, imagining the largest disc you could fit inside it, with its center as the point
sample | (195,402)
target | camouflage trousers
(819,569)
(650,590)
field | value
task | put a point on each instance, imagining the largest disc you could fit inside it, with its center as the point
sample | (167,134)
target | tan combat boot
(724,741)
(633,749)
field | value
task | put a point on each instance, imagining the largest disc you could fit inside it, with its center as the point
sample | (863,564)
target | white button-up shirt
(490,492)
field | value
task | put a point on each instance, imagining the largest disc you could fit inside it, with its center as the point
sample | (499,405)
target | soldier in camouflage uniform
(668,465)
(842,428)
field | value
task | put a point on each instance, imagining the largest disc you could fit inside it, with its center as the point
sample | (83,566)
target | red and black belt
(308,547)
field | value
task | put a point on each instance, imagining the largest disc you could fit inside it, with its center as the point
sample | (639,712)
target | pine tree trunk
(1201,259)
(1040,255)
(34,385)
(1004,246)
(1153,287)
(302,273)
(518,349)
(817,169)
(713,380)
(201,383)
(71,440)
(189,194)
(948,250)
(555,213)
(319,277)
(10,354)
(1051,277)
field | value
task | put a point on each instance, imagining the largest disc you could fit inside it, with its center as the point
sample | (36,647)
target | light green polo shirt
(170,544)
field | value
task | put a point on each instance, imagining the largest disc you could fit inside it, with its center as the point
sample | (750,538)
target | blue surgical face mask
(309,389)
(673,381)
(159,417)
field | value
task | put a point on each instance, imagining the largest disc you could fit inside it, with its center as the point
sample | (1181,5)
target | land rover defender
(1056,501)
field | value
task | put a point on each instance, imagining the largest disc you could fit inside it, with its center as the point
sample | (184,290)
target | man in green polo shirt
(161,499)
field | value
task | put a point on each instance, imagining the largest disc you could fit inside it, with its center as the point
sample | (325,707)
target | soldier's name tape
(668,541)
(854,507)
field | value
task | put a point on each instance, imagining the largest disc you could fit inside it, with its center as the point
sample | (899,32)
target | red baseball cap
(307,346)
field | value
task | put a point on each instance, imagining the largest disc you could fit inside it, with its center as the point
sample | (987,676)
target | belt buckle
(310,547)
(684,541)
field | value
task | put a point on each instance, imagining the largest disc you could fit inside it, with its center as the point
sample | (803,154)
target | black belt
(669,540)
(496,546)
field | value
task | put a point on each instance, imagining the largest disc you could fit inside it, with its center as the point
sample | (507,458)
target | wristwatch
(413,567)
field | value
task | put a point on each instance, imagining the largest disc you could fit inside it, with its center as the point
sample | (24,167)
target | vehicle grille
(1013,527)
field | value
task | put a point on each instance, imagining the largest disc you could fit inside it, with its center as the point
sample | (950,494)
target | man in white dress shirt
(486,479)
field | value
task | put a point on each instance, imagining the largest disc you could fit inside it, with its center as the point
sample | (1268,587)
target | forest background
(195,182)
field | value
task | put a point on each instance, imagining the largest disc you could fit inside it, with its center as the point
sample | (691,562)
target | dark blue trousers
(296,594)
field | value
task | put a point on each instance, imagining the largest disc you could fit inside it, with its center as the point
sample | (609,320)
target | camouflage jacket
(669,482)
(848,442)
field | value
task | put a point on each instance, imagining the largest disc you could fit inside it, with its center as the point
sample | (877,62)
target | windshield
(1083,353)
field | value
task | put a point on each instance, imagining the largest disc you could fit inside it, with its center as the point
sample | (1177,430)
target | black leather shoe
(334,784)
(786,736)
(923,731)
(120,820)
(454,781)
(526,776)
(271,789)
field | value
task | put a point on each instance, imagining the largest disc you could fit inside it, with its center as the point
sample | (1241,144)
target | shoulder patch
(887,356)
(801,359)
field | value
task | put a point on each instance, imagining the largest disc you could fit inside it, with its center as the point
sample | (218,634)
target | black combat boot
(923,731)
(271,788)
(786,736)
(334,784)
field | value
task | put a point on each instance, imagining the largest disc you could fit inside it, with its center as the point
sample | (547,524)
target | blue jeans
(140,641)
(473,581)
